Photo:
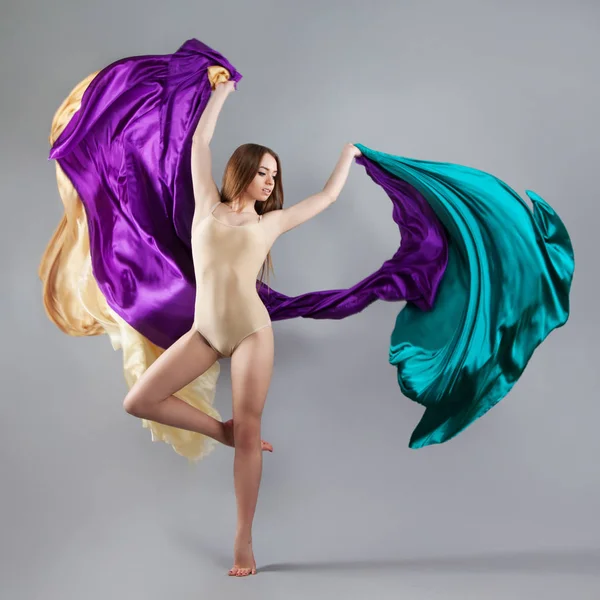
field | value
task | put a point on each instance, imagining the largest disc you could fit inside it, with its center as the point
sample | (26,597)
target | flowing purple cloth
(412,274)
(127,152)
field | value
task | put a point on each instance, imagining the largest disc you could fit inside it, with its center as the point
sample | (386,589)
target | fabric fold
(506,287)
(485,278)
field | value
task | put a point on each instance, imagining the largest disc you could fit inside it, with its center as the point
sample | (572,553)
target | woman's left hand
(353,150)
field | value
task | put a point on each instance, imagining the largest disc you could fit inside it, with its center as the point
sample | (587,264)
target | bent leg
(152,395)
(251,370)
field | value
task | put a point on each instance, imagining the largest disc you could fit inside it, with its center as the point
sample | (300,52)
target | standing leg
(251,369)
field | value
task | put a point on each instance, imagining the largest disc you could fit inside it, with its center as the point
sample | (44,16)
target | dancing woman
(150,253)
(232,233)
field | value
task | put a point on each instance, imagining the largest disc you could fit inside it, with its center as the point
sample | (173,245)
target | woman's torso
(227,260)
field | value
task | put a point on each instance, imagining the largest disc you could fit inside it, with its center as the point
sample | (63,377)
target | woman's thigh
(178,365)
(251,370)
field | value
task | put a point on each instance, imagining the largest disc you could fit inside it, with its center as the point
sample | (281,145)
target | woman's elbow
(329,195)
(200,141)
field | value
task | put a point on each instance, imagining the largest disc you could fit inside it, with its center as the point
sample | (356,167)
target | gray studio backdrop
(92,509)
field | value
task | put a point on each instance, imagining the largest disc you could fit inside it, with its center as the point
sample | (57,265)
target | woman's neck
(243,206)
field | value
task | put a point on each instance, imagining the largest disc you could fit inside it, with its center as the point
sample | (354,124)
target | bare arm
(206,192)
(288,218)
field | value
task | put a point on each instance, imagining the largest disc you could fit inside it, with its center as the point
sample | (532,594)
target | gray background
(509,509)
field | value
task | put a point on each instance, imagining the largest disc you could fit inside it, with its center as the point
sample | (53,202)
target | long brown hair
(241,169)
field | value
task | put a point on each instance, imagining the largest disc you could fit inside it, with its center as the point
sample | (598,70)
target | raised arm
(288,218)
(206,192)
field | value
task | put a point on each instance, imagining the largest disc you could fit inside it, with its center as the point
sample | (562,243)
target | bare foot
(229,441)
(243,559)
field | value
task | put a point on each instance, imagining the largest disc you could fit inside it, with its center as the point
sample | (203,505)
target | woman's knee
(247,431)
(134,404)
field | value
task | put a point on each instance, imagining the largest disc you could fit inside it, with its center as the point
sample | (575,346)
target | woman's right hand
(225,87)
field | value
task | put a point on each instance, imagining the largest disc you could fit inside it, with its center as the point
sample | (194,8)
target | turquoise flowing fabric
(486,279)
(506,287)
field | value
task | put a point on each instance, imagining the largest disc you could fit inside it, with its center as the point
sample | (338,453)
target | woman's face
(263,183)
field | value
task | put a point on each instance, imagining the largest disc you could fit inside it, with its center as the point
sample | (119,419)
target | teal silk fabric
(506,287)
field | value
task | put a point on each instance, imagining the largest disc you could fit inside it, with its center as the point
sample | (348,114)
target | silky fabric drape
(126,153)
(506,287)
(112,266)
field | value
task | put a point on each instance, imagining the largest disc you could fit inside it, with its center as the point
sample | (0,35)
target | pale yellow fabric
(217,74)
(74,302)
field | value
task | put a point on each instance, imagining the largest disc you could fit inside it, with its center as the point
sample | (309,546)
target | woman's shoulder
(201,212)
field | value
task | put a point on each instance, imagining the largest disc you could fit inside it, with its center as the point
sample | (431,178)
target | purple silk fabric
(127,152)
(412,274)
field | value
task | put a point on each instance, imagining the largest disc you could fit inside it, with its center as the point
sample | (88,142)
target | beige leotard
(227,260)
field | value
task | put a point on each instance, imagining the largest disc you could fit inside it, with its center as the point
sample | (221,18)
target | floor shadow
(566,562)
(570,562)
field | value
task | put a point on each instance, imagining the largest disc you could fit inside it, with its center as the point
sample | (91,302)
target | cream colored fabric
(74,302)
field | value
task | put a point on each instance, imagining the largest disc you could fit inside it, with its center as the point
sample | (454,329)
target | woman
(486,279)
(232,233)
